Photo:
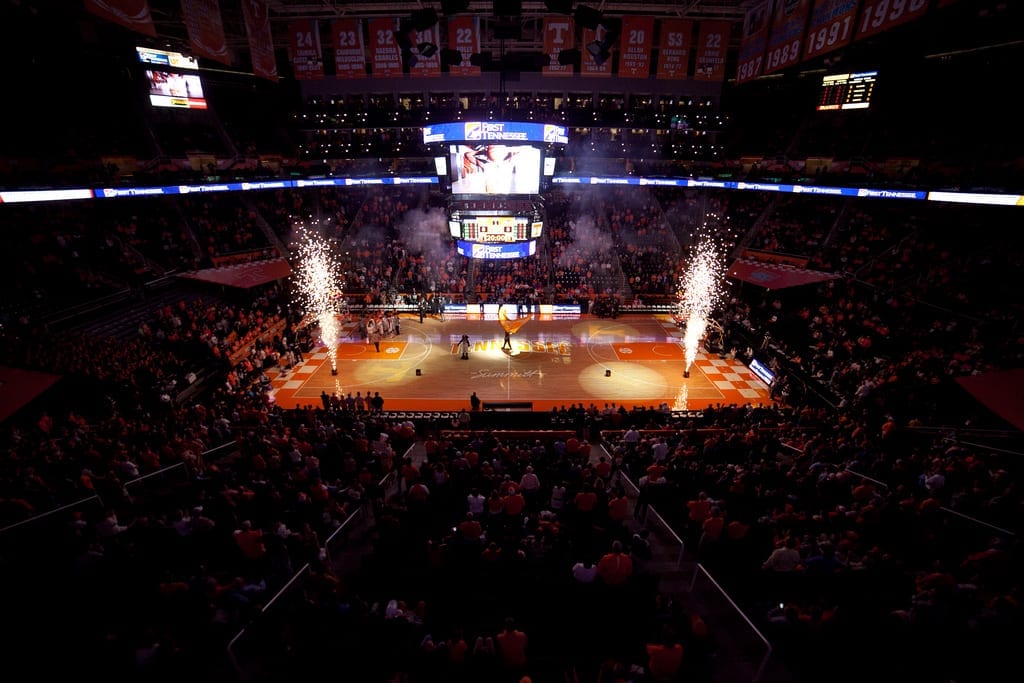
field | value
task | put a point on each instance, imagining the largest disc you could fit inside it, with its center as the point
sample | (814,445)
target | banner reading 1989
(786,41)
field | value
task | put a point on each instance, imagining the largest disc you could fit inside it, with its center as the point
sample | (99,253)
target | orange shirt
(615,568)
(664,661)
(512,646)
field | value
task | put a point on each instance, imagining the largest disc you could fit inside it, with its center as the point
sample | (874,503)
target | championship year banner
(830,28)
(589,65)
(712,43)
(785,44)
(304,47)
(385,55)
(427,67)
(636,42)
(132,14)
(261,41)
(674,49)
(558,36)
(877,16)
(755,38)
(349,50)
(206,29)
(464,36)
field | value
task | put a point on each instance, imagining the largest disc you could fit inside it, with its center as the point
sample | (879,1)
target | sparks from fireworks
(318,281)
(700,289)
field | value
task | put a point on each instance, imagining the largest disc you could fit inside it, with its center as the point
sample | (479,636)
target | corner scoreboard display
(847,91)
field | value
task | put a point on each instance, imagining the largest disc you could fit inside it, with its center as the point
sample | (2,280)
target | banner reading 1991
(831,26)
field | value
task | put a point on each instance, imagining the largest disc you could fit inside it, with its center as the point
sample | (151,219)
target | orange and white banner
(558,36)
(349,50)
(755,36)
(464,36)
(877,16)
(261,41)
(830,28)
(712,44)
(589,65)
(132,14)
(637,40)
(206,29)
(306,53)
(385,55)
(427,67)
(674,49)
(785,45)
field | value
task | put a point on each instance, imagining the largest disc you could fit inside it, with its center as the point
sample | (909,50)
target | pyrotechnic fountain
(318,284)
(700,288)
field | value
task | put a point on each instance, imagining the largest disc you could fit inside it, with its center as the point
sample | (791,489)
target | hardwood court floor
(553,362)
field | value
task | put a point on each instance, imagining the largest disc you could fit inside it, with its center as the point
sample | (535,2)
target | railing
(652,512)
(947,510)
(757,632)
(96,497)
(325,552)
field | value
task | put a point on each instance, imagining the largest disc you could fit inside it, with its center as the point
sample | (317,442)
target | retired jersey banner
(306,53)
(712,43)
(877,16)
(206,29)
(464,36)
(427,67)
(785,45)
(674,48)
(132,14)
(831,26)
(261,41)
(755,38)
(558,36)
(635,47)
(349,52)
(589,65)
(385,55)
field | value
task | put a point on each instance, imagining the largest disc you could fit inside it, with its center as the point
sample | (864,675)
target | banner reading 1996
(831,26)
(882,15)
(349,53)
(385,55)
(786,41)
(133,14)
(755,37)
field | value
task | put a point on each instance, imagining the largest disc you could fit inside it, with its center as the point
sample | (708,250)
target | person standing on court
(507,344)
(464,347)
(474,402)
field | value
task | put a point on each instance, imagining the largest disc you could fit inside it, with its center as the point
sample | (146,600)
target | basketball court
(554,362)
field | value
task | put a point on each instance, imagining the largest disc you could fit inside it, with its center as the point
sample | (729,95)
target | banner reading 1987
(755,37)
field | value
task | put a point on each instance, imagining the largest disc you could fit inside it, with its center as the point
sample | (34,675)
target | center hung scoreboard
(496,171)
